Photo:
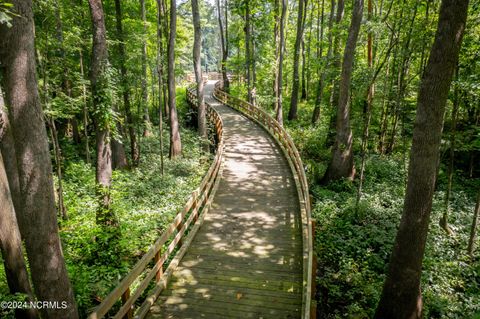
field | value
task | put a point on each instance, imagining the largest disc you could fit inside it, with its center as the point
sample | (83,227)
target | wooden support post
(159,273)
(179,228)
(125,297)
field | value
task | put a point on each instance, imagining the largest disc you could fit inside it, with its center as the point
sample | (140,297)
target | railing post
(125,297)
(159,273)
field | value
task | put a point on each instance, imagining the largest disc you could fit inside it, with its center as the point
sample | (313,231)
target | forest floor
(353,244)
(143,200)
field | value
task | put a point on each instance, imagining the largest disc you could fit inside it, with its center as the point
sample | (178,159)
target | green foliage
(6,14)
(353,246)
(144,202)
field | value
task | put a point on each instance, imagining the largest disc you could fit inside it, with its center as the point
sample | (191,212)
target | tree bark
(97,78)
(321,80)
(292,113)
(175,141)
(197,66)
(248,54)
(401,295)
(341,165)
(134,149)
(11,247)
(17,63)
(279,81)
(10,239)
(161,95)
(146,117)
(223,46)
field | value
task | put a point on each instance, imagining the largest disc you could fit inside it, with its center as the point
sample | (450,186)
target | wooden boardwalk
(246,259)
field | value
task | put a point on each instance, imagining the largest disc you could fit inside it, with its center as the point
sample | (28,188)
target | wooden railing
(286,143)
(171,245)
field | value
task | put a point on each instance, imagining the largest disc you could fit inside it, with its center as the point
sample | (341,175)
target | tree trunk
(223,46)
(62,211)
(368,106)
(10,239)
(401,295)
(247,51)
(321,79)
(119,158)
(341,165)
(47,265)
(292,113)
(197,66)
(279,81)
(134,149)
(146,117)
(175,141)
(473,229)
(99,67)
(11,247)
(336,66)
(85,110)
(161,92)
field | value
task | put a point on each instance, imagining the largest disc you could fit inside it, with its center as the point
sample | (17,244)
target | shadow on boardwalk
(246,259)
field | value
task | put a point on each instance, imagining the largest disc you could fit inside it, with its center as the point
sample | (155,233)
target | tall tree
(223,47)
(341,164)
(197,66)
(322,76)
(248,54)
(101,103)
(161,91)
(17,63)
(401,295)
(175,141)
(292,113)
(146,116)
(281,48)
(134,149)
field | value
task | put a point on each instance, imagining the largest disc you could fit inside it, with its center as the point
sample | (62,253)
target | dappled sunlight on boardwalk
(246,259)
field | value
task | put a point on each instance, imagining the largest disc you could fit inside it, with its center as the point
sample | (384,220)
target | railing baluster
(125,297)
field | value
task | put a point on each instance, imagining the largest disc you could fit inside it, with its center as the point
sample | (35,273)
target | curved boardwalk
(246,259)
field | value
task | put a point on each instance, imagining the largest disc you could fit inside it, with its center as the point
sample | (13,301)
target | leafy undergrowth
(353,245)
(144,202)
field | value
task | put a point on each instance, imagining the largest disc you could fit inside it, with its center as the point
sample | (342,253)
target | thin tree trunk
(146,117)
(292,113)
(279,115)
(226,83)
(175,141)
(62,211)
(161,92)
(321,79)
(473,229)
(247,51)
(85,109)
(134,148)
(336,66)
(444,220)
(341,165)
(197,66)
(47,265)
(368,102)
(401,295)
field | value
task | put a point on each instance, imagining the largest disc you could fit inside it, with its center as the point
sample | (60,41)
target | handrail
(286,143)
(173,240)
